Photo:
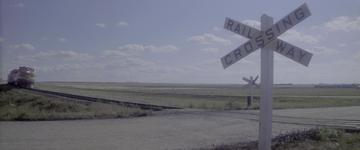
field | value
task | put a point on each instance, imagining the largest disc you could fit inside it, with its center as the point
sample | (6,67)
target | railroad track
(108,101)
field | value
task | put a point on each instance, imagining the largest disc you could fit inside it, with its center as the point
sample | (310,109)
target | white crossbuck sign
(268,38)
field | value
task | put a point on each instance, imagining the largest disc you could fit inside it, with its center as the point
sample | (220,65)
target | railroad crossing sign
(251,83)
(267,40)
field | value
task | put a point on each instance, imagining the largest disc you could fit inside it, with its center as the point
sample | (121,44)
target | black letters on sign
(302,54)
(269,34)
(299,14)
(237,53)
(229,24)
(287,22)
(291,52)
(227,61)
(248,47)
(277,28)
(249,34)
(260,41)
(280,46)
(237,28)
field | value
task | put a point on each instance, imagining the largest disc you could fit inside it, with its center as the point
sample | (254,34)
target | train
(23,77)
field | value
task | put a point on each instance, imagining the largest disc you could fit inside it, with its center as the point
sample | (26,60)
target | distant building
(337,86)
(287,85)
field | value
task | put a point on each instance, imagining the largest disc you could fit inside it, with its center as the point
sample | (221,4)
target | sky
(172,41)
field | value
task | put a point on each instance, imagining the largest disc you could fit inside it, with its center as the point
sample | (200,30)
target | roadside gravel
(182,129)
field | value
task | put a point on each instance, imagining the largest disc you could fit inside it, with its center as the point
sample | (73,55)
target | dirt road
(183,129)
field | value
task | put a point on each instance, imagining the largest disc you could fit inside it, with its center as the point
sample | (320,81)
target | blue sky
(171,41)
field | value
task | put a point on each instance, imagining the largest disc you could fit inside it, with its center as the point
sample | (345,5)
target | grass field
(329,139)
(208,96)
(17,104)
(316,139)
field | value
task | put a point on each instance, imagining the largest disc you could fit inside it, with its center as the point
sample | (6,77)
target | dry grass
(209,96)
(17,104)
(329,139)
(314,139)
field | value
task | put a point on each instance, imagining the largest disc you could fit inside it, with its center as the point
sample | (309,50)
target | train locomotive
(22,77)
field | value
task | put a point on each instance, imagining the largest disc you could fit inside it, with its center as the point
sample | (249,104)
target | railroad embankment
(23,105)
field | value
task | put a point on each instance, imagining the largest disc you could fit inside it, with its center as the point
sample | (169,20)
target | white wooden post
(251,92)
(267,72)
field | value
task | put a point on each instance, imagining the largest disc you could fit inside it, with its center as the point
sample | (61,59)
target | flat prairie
(209,96)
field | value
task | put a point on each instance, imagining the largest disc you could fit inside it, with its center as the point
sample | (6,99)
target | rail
(108,101)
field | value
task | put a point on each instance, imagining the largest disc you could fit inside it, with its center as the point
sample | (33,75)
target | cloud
(55,55)
(65,67)
(115,53)
(100,25)
(25,46)
(239,38)
(18,5)
(2,39)
(213,50)
(63,40)
(357,56)
(209,38)
(216,29)
(343,23)
(342,44)
(147,48)
(323,50)
(125,68)
(252,23)
(165,48)
(122,24)
(44,38)
(125,60)
(296,36)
